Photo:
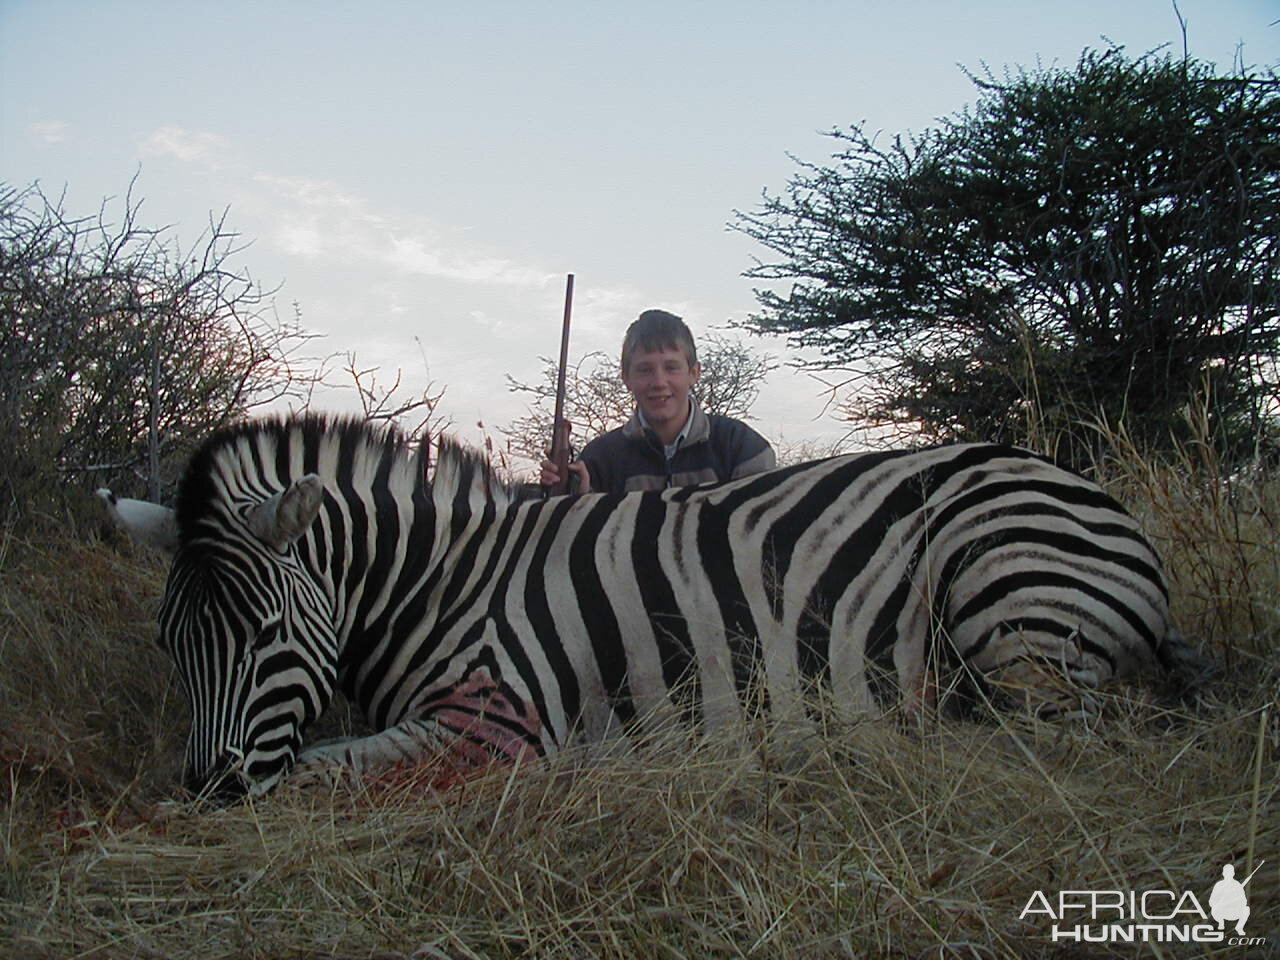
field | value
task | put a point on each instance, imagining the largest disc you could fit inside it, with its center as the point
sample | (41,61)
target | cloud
(317,193)
(415,254)
(50,131)
(185,145)
(318,218)
(301,239)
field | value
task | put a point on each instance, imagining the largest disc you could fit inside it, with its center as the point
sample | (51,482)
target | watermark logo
(1228,901)
(1148,916)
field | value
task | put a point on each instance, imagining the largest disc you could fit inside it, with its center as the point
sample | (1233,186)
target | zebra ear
(146,523)
(287,516)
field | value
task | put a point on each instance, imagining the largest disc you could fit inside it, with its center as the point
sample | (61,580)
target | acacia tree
(596,400)
(119,348)
(1095,243)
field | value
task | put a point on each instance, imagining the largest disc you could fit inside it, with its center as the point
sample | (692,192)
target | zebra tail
(1187,671)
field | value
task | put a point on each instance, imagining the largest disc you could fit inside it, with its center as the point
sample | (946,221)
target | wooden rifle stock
(560,426)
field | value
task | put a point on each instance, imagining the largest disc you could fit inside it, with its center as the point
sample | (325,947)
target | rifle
(560,426)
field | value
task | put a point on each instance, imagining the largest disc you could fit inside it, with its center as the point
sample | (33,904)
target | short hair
(658,330)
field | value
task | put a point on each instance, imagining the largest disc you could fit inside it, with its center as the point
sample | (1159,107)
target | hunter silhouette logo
(1228,901)
(1148,916)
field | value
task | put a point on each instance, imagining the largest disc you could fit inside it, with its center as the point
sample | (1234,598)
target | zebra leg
(471,724)
(408,743)
(1047,674)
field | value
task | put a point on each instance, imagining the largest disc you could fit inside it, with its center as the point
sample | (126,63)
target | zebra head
(252,633)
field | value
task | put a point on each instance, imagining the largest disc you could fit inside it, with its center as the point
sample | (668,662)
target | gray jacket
(715,448)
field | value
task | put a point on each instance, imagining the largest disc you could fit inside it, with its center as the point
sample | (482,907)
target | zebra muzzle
(223,783)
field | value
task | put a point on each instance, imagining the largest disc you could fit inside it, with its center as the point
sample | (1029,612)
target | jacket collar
(697,428)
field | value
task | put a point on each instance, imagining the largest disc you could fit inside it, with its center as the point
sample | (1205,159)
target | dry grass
(1219,536)
(871,840)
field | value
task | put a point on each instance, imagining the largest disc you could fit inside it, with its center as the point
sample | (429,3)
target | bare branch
(121,347)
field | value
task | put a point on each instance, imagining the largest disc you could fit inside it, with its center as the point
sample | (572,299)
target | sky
(420,177)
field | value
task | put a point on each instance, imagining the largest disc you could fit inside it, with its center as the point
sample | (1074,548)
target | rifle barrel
(559,433)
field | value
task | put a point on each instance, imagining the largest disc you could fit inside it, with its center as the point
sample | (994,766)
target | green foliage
(1096,243)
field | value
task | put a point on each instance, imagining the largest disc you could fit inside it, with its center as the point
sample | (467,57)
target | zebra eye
(268,633)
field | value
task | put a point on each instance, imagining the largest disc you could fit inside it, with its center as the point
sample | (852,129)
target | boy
(669,441)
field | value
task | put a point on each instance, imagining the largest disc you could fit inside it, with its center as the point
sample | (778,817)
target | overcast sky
(427,173)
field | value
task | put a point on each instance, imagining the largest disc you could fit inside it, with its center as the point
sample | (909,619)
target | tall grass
(1217,531)
(871,839)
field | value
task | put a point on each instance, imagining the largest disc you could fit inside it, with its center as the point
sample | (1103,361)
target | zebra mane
(272,446)
(464,475)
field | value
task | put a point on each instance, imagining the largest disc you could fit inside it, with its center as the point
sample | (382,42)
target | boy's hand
(550,475)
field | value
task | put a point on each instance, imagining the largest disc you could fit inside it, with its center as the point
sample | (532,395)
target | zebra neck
(397,583)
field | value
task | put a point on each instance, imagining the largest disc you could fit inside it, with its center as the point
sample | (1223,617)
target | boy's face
(660,381)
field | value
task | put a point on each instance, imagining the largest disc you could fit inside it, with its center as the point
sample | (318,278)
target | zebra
(312,553)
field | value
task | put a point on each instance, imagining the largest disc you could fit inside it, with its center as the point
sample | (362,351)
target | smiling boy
(669,440)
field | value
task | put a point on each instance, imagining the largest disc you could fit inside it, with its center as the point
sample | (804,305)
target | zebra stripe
(313,554)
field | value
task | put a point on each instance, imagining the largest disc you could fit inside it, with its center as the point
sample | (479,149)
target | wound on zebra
(313,554)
